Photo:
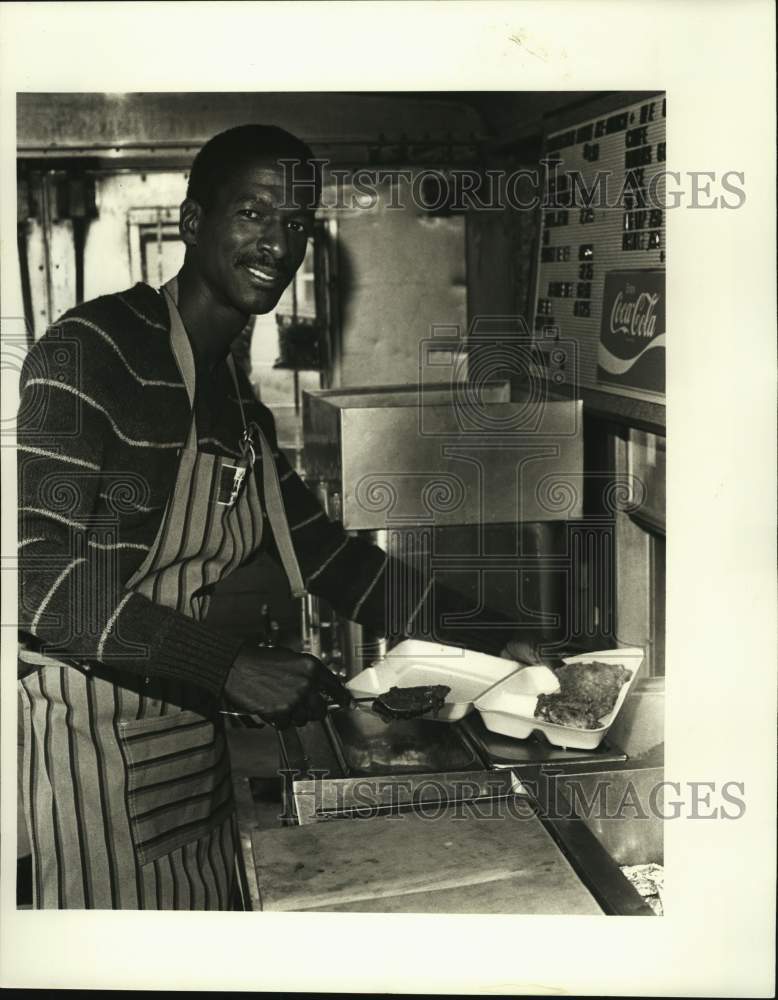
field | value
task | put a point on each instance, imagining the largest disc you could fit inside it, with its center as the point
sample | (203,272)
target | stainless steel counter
(354,768)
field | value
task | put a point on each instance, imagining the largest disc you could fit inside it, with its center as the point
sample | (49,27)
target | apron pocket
(178,781)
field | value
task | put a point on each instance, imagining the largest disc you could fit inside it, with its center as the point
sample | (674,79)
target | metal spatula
(425,700)
(407,703)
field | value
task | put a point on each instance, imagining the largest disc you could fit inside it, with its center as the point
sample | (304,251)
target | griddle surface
(370,746)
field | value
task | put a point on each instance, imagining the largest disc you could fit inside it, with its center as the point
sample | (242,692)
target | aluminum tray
(368,746)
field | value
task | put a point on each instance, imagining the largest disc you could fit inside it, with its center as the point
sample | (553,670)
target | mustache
(263,263)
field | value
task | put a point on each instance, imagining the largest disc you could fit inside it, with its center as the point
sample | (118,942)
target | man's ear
(189,219)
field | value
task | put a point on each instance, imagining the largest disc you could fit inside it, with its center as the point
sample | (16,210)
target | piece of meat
(563,712)
(410,702)
(595,684)
(587,693)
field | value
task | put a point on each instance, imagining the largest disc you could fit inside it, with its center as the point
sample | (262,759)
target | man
(148,473)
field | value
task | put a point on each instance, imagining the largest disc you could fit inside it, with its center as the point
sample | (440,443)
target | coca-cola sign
(632,335)
(637,318)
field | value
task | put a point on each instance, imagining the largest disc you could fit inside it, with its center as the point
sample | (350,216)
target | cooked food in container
(565,712)
(573,706)
(587,693)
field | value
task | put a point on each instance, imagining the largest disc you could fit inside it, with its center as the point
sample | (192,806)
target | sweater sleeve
(73,602)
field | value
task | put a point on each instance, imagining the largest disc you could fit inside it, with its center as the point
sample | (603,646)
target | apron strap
(276,514)
(182,352)
(274,503)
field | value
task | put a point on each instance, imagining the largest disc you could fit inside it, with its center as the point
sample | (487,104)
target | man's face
(249,243)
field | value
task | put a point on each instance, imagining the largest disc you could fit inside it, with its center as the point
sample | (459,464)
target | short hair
(230,151)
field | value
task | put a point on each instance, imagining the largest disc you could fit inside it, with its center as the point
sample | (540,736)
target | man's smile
(264,275)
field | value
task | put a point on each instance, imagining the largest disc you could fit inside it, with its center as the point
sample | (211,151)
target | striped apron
(126,780)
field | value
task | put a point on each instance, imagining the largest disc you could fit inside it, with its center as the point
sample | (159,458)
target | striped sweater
(103,414)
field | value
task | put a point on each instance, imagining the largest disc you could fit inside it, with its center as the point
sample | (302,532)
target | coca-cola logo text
(636,317)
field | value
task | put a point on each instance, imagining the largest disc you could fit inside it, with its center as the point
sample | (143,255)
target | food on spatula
(410,702)
(587,693)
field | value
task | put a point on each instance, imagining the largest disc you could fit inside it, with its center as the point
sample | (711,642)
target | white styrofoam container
(508,707)
(414,662)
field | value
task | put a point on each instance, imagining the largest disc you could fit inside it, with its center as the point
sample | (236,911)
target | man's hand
(527,651)
(281,686)
(522,651)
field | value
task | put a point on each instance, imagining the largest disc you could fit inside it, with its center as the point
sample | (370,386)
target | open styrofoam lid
(519,692)
(416,662)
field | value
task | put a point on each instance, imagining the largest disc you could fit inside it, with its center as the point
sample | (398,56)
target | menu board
(600,303)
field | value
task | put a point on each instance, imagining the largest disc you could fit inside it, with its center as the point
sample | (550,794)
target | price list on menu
(600,304)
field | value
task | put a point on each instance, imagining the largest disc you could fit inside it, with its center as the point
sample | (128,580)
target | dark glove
(281,686)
